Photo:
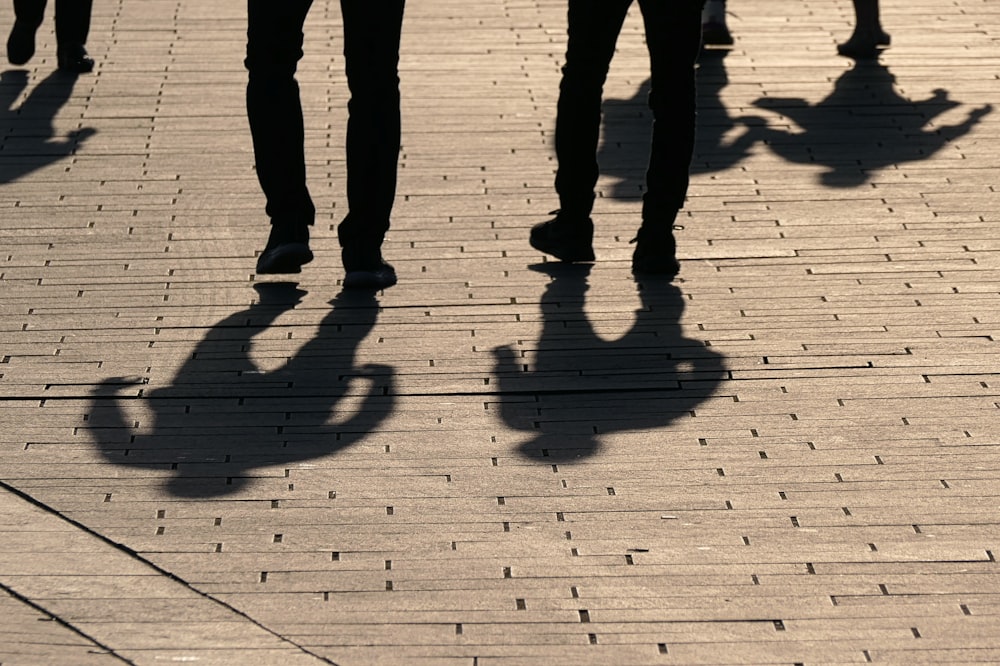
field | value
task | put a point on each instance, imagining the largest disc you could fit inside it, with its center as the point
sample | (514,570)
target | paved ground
(790,456)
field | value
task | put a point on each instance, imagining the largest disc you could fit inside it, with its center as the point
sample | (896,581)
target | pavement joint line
(55,618)
(13,490)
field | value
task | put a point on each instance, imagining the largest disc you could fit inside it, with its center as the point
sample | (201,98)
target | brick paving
(789,456)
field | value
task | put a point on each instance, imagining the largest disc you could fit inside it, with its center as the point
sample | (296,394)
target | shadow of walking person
(29,135)
(721,141)
(862,126)
(576,386)
(222,418)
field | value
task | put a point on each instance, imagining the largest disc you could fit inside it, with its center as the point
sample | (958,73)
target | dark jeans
(673,36)
(371,52)
(72,18)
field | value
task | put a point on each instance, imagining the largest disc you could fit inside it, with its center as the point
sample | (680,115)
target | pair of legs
(274,109)
(673,37)
(72,29)
(866,40)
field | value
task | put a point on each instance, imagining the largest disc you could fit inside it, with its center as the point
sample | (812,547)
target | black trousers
(72,18)
(673,36)
(274,108)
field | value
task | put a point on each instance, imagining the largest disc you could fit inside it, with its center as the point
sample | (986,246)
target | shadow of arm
(105,418)
(376,407)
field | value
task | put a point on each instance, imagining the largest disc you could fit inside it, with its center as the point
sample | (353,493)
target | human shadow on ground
(721,141)
(575,386)
(221,418)
(29,137)
(863,125)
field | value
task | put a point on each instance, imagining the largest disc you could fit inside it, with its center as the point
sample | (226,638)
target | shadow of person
(863,125)
(623,154)
(30,141)
(721,141)
(221,418)
(575,386)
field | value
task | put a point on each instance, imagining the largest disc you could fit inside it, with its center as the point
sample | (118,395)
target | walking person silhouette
(866,41)
(72,28)
(673,36)
(371,50)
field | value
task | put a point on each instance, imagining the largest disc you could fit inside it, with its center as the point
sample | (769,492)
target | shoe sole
(287,258)
(568,257)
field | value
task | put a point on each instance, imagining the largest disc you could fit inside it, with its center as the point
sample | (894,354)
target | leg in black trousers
(274,111)
(673,36)
(593,32)
(274,108)
(72,29)
(371,51)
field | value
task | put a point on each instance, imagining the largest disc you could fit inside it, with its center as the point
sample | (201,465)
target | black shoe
(655,252)
(716,33)
(73,58)
(365,269)
(566,238)
(21,43)
(286,251)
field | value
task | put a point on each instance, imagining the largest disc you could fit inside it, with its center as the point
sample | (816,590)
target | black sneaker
(655,252)
(367,270)
(21,43)
(286,251)
(716,33)
(73,58)
(566,238)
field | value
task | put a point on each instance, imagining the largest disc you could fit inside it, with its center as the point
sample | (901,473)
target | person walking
(673,36)
(372,33)
(866,41)
(72,28)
